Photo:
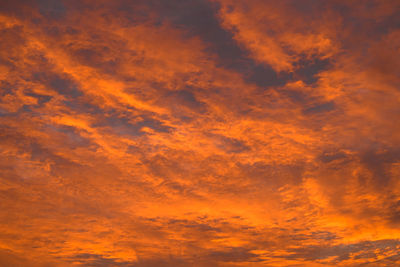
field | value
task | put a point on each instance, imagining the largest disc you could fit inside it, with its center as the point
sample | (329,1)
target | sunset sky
(204,133)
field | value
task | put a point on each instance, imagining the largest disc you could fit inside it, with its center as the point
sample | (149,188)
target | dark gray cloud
(378,161)
(332,156)
(124,126)
(54,9)
(320,107)
(62,85)
(307,70)
(187,98)
(343,252)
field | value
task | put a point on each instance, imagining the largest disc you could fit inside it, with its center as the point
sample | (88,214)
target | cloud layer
(200,133)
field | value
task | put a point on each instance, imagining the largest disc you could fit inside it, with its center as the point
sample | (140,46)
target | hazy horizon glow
(199,133)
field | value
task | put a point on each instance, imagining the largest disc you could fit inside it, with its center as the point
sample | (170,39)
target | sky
(226,133)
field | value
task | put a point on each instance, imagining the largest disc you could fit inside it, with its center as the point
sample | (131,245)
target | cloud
(199,133)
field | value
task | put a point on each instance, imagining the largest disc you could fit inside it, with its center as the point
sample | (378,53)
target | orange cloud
(199,133)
